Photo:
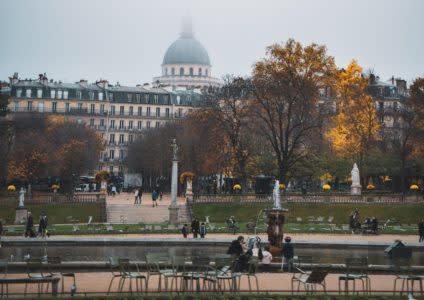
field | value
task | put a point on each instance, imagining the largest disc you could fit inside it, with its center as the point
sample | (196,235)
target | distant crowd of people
(370,225)
(197,229)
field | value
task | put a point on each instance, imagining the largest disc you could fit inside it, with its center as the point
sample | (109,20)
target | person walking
(42,227)
(136,196)
(184,231)
(155,197)
(140,195)
(421,231)
(288,253)
(29,226)
(202,230)
(195,227)
(113,190)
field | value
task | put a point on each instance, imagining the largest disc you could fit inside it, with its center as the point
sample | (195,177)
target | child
(184,231)
(202,230)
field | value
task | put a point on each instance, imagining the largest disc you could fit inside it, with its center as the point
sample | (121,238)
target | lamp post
(173,208)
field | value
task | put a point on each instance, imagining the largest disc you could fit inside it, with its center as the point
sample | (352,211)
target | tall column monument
(173,208)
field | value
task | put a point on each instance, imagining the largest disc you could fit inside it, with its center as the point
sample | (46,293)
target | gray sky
(125,40)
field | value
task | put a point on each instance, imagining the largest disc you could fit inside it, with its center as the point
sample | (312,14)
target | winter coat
(288,251)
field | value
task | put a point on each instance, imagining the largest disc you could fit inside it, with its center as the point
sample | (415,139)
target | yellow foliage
(326,177)
(237,187)
(185,175)
(326,187)
(11,188)
(414,187)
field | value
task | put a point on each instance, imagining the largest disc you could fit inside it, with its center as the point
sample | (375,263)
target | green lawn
(57,213)
(339,213)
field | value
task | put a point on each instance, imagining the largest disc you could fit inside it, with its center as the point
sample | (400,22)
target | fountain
(275,220)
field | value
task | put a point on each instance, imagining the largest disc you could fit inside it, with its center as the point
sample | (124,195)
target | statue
(355,188)
(21,198)
(276,195)
(189,189)
(174,147)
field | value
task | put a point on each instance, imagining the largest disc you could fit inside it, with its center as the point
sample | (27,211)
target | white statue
(21,197)
(355,188)
(276,195)
(189,190)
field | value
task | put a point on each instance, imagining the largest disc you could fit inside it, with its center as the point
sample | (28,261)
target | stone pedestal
(173,214)
(275,220)
(355,189)
(21,215)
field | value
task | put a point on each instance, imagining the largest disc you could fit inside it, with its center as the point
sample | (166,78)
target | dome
(186,50)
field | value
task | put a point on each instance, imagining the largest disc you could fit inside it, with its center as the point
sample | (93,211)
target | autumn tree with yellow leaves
(354,131)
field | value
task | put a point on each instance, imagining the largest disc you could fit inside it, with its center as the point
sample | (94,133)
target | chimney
(83,82)
(401,84)
(393,80)
(14,79)
(103,83)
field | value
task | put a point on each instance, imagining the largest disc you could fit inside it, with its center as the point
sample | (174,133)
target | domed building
(186,63)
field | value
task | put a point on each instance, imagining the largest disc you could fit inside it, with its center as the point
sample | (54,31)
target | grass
(57,213)
(403,214)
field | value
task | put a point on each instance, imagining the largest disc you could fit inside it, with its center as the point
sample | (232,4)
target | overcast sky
(125,40)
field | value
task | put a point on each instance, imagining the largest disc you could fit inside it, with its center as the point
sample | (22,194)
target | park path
(121,209)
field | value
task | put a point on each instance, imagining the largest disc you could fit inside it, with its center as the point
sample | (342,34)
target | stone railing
(45,198)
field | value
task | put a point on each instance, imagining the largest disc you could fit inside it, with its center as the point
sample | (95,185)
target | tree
(355,126)
(4,102)
(286,87)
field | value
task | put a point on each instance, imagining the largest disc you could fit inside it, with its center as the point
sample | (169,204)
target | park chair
(220,274)
(402,268)
(114,269)
(56,262)
(251,273)
(356,269)
(34,268)
(158,265)
(200,270)
(310,281)
(127,273)
(179,264)
(3,268)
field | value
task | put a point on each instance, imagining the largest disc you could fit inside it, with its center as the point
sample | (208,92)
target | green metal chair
(114,269)
(56,263)
(158,265)
(356,269)
(402,267)
(251,273)
(311,280)
(221,274)
(3,267)
(127,273)
(34,268)
(200,269)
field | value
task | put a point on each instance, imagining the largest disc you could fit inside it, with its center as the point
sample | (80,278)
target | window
(148,112)
(18,93)
(121,110)
(191,71)
(111,96)
(100,95)
(91,95)
(67,107)
(140,111)
(130,138)
(59,94)
(112,110)
(29,106)
(112,124)
(166,71)
(112,138)
(52,94)
(92,108)
(138,98)
(156,99)
(111,169)
(129,97)
(79,95)
(65,94)
(121,124)
(79,107)
(158,112)
(172,71)
(167,112)
(181,71)
(102,108)
(91,122)
(102,122)
(139,125)
(180,112)
(111,154)
(121,154)
(200,72)
(157,125)
(41,106)
(131,111)
(39,93)
(148,124)
(16,106)
(130,124)
(121,138)
(28,93)
(54,106)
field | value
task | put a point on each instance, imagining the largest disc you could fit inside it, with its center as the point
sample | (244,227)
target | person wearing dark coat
(195,227)
(184,231)
(202,230)
(43,225)
(421,231)
(288,253)
(236,247)
(29,226)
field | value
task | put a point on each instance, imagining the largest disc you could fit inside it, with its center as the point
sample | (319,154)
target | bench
(54,280)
